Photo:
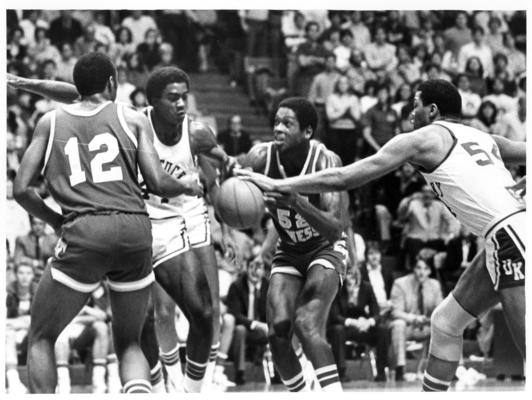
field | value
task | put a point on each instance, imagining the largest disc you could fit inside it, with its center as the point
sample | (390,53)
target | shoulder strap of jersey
(124,125)
(268,159)
(50,140)
(443,124)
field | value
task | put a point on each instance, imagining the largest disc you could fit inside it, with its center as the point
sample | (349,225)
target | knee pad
(448,323)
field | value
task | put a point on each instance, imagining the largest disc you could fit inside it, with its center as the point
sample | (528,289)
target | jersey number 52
(99,175)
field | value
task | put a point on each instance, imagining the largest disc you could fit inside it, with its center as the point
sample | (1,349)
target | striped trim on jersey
(50,140)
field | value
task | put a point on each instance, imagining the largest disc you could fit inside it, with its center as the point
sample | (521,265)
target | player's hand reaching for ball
(193,186)
(265,183)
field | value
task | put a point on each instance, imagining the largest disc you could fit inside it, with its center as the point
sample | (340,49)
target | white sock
(156,379)
(13,378)
(113,375)
(137,386)
(98,374)
(194,374)
(328,378)
(63,379)
(209,372)
(170,360)
(297,383)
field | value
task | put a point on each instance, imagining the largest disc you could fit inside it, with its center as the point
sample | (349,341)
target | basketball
(239,203)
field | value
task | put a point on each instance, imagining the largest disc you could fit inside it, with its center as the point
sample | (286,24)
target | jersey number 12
(99,175)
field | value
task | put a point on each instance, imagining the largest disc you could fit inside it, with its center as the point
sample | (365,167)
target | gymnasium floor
(489,384)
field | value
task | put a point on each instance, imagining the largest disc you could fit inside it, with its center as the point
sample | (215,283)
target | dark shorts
(330,256)
(115,246)
(505,252)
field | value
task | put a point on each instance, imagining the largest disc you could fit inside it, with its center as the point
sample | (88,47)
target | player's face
(420,114)
(287,133)
(173,102)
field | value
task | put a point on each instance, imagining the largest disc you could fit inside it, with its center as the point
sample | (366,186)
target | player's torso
(176,160)
(472,181)
(294,231)
(91,161)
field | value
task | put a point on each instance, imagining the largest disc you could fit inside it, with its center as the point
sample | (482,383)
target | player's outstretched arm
(396,152)
(511,151)
(62,92)
(29,169)
(158,181)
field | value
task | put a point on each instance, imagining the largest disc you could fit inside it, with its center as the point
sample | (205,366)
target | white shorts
(198,230)
(505,251)
(169,239)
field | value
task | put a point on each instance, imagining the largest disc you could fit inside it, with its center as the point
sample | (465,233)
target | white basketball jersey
(176,160)
(472,180)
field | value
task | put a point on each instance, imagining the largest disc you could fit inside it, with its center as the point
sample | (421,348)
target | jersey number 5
(473,149)
(99,175)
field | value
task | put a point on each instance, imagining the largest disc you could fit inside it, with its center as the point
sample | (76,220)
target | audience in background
(369,57)
(414,297)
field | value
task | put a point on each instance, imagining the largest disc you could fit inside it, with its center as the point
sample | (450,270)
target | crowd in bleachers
(360,69)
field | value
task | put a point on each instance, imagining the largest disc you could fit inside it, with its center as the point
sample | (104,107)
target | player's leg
(505,253)
(472,296)
(281,302)
(184,280)
(207,260)
(150,347)
(313,307)
(53,307)
(129,310)
(514,306)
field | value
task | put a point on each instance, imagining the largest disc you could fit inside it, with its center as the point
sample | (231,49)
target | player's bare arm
(204,142)
(62,92)
(158,181)
(256,158)
(29,169)
(416,147)
(512,152)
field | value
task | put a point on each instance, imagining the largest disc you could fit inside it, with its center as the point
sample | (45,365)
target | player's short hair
(23,264)
(162,77)
(305,112)
(442,93)
(92,72)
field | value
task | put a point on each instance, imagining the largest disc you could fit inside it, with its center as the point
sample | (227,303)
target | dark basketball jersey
(295,233)
(91,161)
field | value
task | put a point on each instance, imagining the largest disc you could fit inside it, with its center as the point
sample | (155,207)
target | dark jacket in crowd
(237,301)
(387,277)
(12,299)
(366,306)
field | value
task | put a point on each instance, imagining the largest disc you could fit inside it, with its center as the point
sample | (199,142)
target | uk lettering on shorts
(505,252)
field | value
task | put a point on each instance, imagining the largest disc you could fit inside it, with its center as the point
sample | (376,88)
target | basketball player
(89,154)
(465,169)
(183,250)
(183,255)
(310,259)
